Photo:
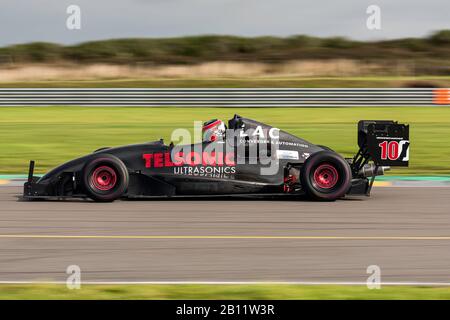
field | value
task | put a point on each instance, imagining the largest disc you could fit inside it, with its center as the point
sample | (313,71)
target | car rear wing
(385,142)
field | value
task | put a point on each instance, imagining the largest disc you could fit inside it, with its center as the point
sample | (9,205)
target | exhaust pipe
(370,170)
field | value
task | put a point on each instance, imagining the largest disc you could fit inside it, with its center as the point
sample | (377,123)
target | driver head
(213,130)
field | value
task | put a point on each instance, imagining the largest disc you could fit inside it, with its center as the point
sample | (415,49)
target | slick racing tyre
(105,178)
(326,176)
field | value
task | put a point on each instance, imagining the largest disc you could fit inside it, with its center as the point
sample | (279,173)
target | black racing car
(252,159)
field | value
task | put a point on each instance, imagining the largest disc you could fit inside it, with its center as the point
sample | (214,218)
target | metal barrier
(211,97)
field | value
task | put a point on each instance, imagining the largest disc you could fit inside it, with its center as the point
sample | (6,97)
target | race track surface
(405,231)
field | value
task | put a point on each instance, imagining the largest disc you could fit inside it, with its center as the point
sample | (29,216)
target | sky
(24,21)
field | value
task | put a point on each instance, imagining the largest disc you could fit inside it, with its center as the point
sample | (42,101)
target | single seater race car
(247,158)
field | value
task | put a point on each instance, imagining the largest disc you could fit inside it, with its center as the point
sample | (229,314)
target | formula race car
(247,158)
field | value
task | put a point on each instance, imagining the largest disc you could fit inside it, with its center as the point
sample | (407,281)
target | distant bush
(441,38)
(431,53)
(33,52)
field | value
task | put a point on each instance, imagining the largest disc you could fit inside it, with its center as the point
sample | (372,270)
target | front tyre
(326,176)
(105,178)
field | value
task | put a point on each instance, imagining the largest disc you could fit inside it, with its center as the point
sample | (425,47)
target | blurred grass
(53,135)
(226,292)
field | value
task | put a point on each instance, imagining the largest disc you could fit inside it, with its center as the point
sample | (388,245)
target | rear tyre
(105,178)
(326,176)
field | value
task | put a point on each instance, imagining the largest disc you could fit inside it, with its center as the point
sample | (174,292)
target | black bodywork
(154,171)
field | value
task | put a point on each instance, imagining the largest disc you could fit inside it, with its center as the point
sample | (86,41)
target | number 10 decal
(389,150)
(392,150)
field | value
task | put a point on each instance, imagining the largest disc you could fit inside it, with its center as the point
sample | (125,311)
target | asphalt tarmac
(404,231)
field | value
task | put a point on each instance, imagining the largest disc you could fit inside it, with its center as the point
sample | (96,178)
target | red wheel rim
(104,178)
(326,176)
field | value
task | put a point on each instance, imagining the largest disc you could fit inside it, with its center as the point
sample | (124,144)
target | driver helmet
(213,130)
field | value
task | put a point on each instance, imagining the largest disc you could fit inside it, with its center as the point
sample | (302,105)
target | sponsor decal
(394,150)
(208,164)
(287,155)
(273,142)
(193,158)
(205,171)
(259,132)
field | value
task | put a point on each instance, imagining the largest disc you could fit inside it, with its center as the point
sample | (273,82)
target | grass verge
(52,135)
(314,292)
